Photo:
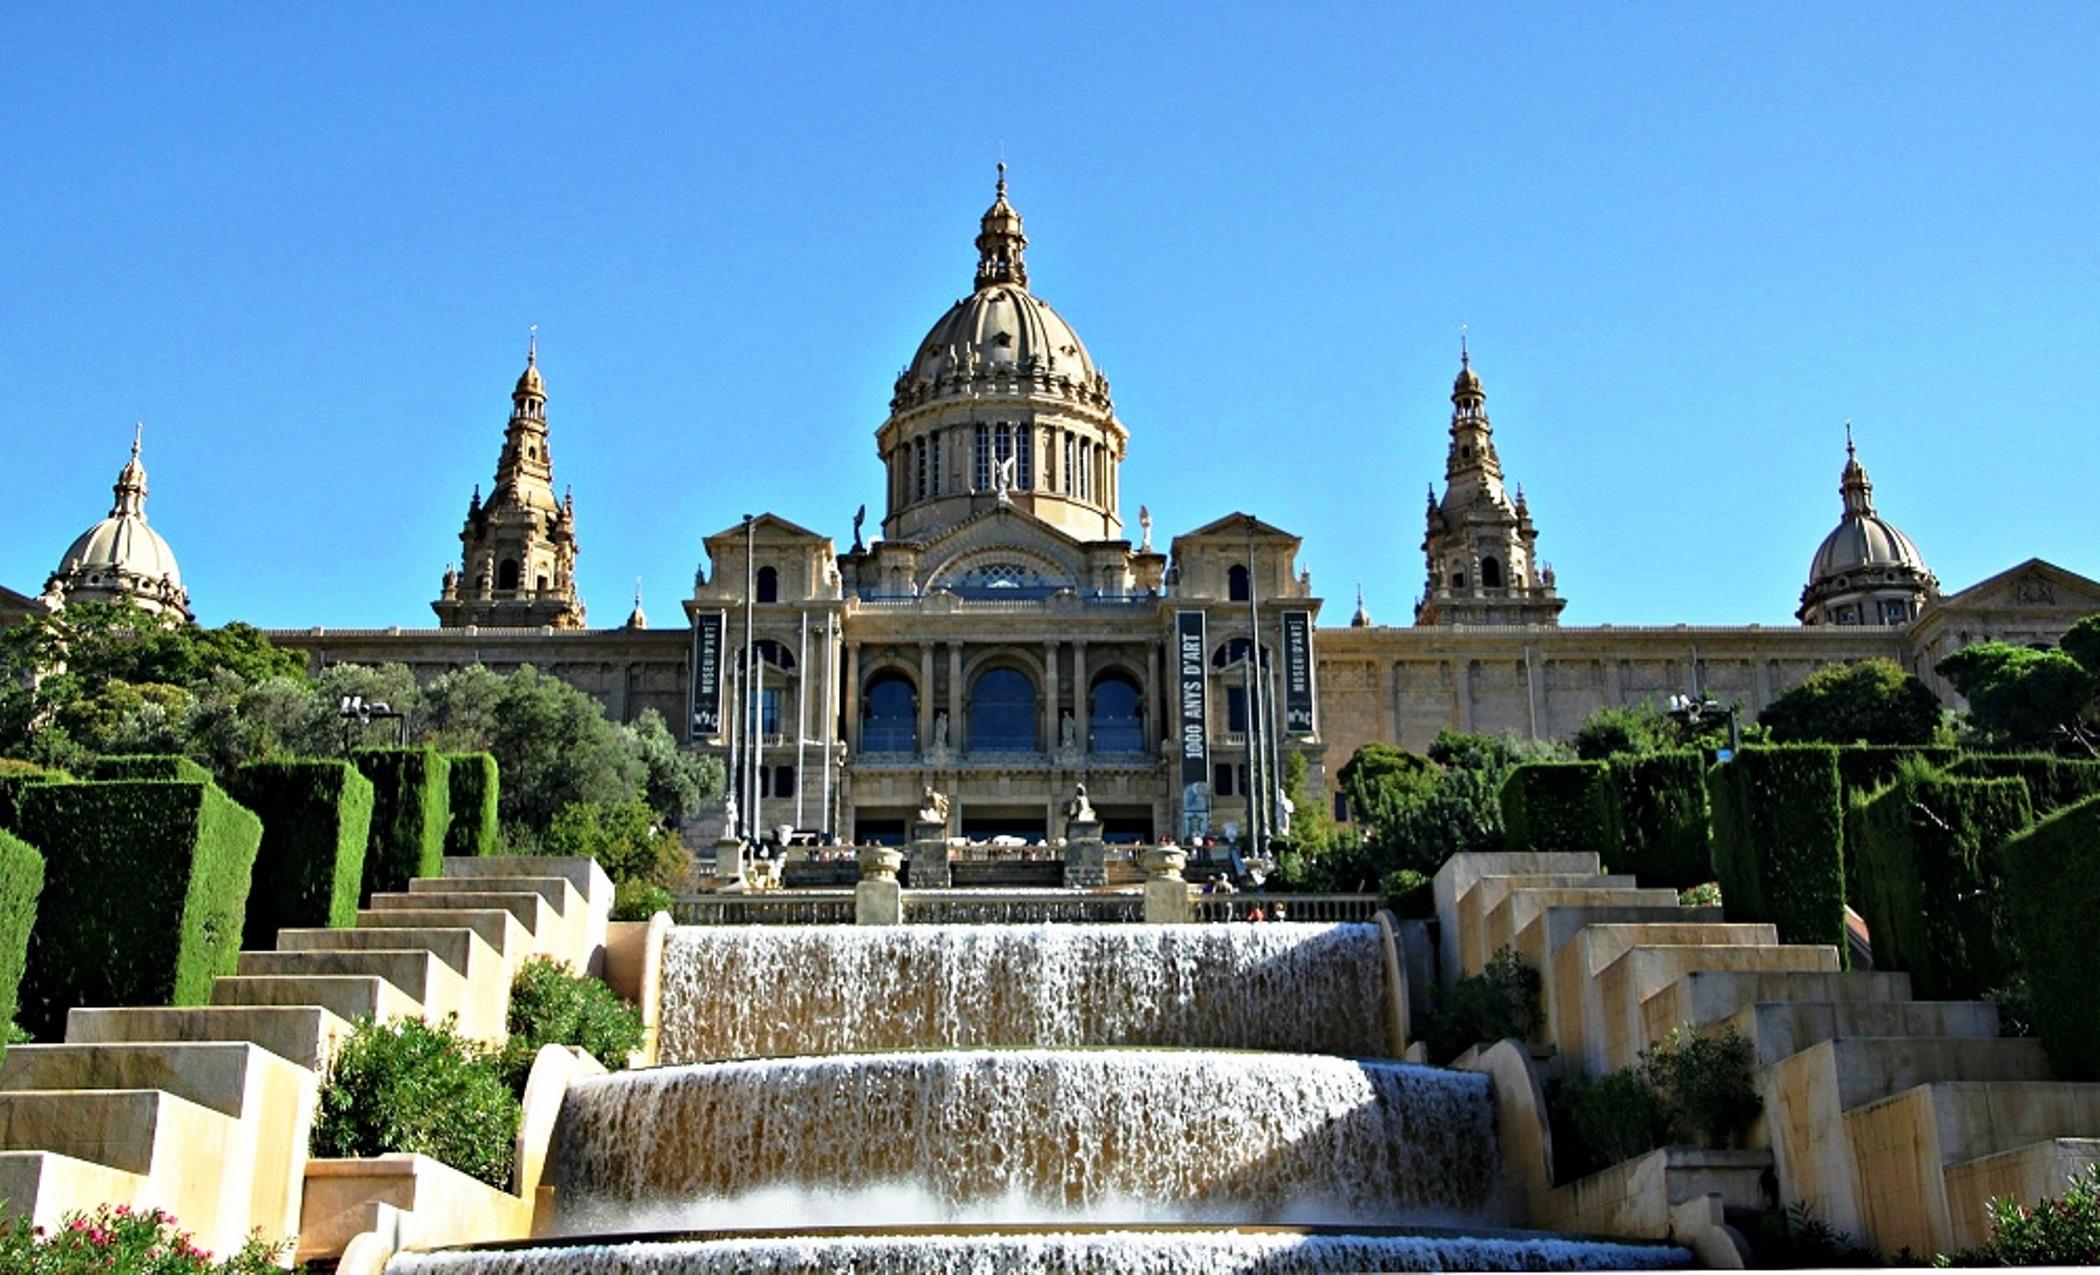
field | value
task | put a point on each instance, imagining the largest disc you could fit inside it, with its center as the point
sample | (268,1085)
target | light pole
(751,684)
(356,710)
(1691,710)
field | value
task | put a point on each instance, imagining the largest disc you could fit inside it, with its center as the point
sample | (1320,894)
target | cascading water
(770,991)
(1037,1135)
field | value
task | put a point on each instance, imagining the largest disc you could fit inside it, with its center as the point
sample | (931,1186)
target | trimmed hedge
(1866,769)
(317,821)
(1550,807)
(473,784)
(1779,840)
(1662,819)
(145,886)
(1927,853)
(2052,894)
(150,766)
(2052,782)
(411,808)
(21,881)
(17,776)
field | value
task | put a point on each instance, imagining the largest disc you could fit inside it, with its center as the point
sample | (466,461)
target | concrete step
(1780,1029)
(584,874)
(469,979)
(1614,1031)
(2029,1172)
(41,1187)
(347,996)
(1505,923)
(415,970)
(1913,1139)
(305,1035)
(537,917)
(1708,996)
(136,1130)
(559,894)
(1572,969)
(497,927)
(1460,873)
(226,1076)
(458,947)
(1475,940)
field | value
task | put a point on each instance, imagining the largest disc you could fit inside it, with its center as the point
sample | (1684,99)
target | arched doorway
(1003,713)
(889,714)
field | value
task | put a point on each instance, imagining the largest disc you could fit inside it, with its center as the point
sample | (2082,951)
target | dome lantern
(1866,571)
(121,558)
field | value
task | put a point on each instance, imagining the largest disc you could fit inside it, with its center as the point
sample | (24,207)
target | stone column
(852,689)
(1086,857)
(955,717)
(1166,894)
(877,899)
(1050,705)
(1151,720)
(926,698)
(1079,689)
(929,856)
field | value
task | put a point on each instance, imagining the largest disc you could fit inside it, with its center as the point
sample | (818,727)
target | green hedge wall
(16,776)
(1779,840)
(1662,819)
(1926,848)
(2052,782)
(145,886)
(21,881)
(1867,768)
(471,832)
(411,808)
(317,821)
(1560,806)
(2052,895)
(150,766)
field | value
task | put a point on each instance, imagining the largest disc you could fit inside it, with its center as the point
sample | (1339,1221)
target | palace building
(1007,639)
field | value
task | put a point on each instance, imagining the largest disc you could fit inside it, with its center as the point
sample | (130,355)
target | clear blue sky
(304,242)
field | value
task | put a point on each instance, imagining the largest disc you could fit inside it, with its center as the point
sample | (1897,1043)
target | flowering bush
(120,1238)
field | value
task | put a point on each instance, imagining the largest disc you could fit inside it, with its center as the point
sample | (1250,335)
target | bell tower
(517,549)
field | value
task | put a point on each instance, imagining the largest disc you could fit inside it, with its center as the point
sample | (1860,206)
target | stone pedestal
(729,864)
(1166,894)
(1086,858)
(929,856)
(878,900)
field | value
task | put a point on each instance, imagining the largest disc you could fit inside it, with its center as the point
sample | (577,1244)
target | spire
(529,383)
(1853,484)
(130,490)
(1000,242)
(1362,618)
(1465,391)
(636,619)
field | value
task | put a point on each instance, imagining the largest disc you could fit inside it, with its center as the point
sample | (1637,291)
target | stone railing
(770,907)
(1018,907)
(1295,907)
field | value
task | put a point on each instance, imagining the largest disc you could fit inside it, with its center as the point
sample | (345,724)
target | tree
(1867,702)
(2023,698)
(1613,732)
(674,781)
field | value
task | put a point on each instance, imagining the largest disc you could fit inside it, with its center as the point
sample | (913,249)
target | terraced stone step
(559,894)
(460,948)
(2033,1171)
(139,1131)
(230,1077)
(497,927)
(1780,1029)
(533,913)
(41,1187)
(347,996)
(1709,996)
(1614,995)
(1462,871)
(417,971)
(1477,933)
(305,1035)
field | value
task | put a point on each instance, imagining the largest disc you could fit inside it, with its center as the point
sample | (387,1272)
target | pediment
(768,527)
(1236,527)
(1043,557)
(2034,586)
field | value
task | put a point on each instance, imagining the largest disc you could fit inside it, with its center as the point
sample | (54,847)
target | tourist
(1255,913)
(1277,913)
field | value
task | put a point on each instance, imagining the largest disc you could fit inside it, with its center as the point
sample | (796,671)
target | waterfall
(770,991)
(1027,1135)
(1056,1253)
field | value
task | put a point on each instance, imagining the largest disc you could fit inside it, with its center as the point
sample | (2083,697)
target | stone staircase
(207,1111)
(1893,1119)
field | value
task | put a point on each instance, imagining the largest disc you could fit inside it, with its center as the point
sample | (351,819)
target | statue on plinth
(933,807)
(1067,732)
(1079,809)
(940,731)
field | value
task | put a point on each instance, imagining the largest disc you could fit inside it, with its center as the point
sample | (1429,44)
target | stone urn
(1163,863)
(880,863)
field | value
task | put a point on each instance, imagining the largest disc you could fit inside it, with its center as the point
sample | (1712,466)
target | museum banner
(1191,687)
(706,714)
(1297,673)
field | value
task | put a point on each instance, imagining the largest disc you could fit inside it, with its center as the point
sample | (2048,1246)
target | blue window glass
(889,720)
(1116,715)
(1002,712)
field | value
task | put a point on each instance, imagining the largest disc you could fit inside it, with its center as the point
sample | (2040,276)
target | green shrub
(2064,1231)
(118,1238)
(1408,893)
(407,1086)
(149,766)
(1693,1089)
(2052,782)
(1926,851)
(638,900)
(550,1004)
(145,888)
(1707,894)
(624,838)
(317,821)
(1600,1122)
(1779,840)
(1662,819)
(2052,894)
(1566,806)
(21,881)
(17,776)
(1867,768)
(1500,1002)
(473,782)
(411,809)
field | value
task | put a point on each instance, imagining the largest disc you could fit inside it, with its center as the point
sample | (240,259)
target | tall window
(769,711)
(1236,584)
(982,471)
(889,715)
(768,585)
(1490,574)
(1024,447)
(1235,710)
(1116,715)
(1002,712)
(507,574)
(918,460)
(933,466)
(1071,462)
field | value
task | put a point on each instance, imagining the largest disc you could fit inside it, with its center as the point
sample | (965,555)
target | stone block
(415,971)
(929,865)
(497,927)
(1456,878)
(1708,996)
(189,1155)
(571,941)
(1780,1029)
(538,918)
(1475,945)
(38,1188)
(878,902)
(2037,1171)
(1613,1028)
(1637,1198)
(305,1035)
(484,974)
(437,1205)
(634,969)
(1572,965)
(585,875)
(347,996)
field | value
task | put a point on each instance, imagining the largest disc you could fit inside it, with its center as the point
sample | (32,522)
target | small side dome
(121,557)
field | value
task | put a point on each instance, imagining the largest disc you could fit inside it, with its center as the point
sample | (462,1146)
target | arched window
(889,714)
(1002,712)
(1116,715)
(507,574)
(768,585)
(771,652)
(1235,652)
(1490,574)
(1236,583)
